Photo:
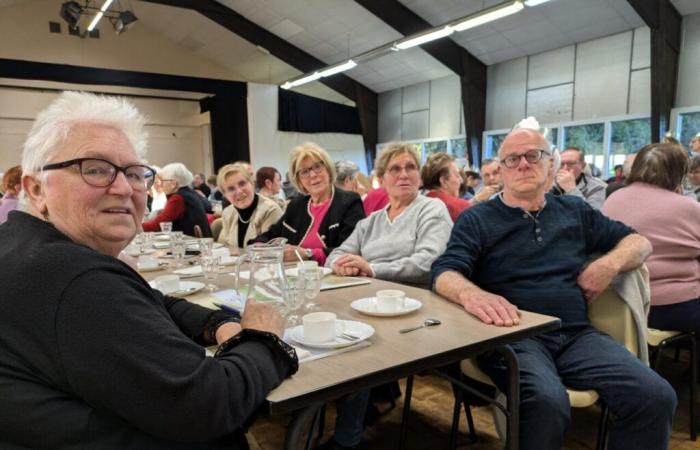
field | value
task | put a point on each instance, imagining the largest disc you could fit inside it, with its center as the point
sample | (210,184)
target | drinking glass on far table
(166,227)
(206,246)
(312,286)
(178,247)
(210,270)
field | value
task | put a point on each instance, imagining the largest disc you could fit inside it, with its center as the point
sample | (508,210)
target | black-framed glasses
(101,173)
(317,167)
(531,156)
(396,169)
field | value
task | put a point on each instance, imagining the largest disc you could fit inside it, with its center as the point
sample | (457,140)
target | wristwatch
(308,253)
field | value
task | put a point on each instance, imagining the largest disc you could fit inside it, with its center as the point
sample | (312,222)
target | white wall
(688,91)
(270,147)
(609,76)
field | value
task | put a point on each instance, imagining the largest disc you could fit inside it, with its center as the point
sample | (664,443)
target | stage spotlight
(71,12)
(125,21)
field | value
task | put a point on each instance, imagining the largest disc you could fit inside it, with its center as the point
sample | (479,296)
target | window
(626,136)
(590,139)
(688,126)
(458,148)
(433,147)
(493,143)
(553,135)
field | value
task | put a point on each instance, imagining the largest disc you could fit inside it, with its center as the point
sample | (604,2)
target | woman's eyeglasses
(317,167)
(531,156)
(101,173)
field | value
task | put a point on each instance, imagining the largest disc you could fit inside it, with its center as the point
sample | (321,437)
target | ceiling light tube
(423,38)
(489,15)
(347,65)
(99,15)
(307,79)
(535,2)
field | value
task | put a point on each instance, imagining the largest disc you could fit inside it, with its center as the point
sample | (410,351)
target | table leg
(513,396)
(301,428)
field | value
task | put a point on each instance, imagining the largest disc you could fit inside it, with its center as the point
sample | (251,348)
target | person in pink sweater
(652,203)
(442,180)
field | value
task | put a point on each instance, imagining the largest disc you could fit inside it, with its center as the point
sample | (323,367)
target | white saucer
(161,245)
(186,288)
(360,329)
(294,271)
(369,306)
(149,269)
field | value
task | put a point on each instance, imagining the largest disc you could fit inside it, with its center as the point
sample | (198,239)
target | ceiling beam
(365,99)
(471,70)
(665,23)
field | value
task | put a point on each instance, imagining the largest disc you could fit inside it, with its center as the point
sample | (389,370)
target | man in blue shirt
(527,250)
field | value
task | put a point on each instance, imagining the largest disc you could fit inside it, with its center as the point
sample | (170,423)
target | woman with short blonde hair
(322,217)
(249,214)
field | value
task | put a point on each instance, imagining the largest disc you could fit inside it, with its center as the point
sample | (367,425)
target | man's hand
(352,265)
(565,180)
(595,279)
(226,331)
(491,309)
(263,317)
(486,193)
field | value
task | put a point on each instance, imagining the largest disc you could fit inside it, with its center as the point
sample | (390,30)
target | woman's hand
(263,317)
(352,265)
(290,253)
(226,331)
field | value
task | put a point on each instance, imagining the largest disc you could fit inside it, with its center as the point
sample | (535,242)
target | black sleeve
(122,353)
(354,212)
(196,322)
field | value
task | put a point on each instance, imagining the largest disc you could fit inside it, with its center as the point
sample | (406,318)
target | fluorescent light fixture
(423,38)
(307,79)
(347,65)
(490,15)
(535,2)
(99,15)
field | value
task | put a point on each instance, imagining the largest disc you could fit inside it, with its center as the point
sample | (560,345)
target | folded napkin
(194,270)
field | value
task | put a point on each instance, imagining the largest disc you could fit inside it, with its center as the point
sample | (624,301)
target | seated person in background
(184,208)
(694,176)
(491,176)
(626,169)
(442,180)
(619,176)
(528,250)
(199,185)
(249,214)
(401,241)
(346,175)
(375,200)
(571,179)
(12,186)
(108,362)
(652,204)
(472,180)
(269,183)
(320,219)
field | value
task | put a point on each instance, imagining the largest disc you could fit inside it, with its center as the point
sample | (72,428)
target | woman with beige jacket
(249,214)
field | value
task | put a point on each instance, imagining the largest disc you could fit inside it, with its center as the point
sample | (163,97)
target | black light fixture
(124,21)
(71,12)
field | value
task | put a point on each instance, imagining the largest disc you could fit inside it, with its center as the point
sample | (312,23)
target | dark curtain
(228,111)
(304,114)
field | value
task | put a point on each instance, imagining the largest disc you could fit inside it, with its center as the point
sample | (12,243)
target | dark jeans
(684,316)
(641,403)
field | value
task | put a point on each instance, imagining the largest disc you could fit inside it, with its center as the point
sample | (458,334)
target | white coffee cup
(147,262)
(167,283)
(321,326)
(390,300)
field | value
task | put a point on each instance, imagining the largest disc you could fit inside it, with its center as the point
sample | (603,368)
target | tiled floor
(431,416)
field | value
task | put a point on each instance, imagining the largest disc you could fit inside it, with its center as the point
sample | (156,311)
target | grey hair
(177,172)
(345,170)
(53,125)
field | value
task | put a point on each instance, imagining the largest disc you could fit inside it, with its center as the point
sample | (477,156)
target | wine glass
(312,282)
(295,296)
(206,246)
(210,269)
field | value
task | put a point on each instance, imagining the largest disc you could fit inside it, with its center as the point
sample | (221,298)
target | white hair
(53,125)
(177,172)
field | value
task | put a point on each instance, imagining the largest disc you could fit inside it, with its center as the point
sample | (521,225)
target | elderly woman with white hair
(92,355)
(184,208)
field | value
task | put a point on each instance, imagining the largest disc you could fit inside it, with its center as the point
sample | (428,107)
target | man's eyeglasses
(101,173)
(317,167)
(395,171)
(531,156)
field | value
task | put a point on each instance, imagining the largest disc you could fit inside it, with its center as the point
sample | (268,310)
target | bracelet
(271,341)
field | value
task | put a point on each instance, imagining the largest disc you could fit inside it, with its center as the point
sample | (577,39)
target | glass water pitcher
(265,280)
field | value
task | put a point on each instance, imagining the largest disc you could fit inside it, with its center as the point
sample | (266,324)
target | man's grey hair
(54,124)
(345,170)
(177,172)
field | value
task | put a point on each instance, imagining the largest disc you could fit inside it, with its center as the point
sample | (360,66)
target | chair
(609,314)
(216,227)
(657,341)
(198,232)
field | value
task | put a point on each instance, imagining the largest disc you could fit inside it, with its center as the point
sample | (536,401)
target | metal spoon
(427,323)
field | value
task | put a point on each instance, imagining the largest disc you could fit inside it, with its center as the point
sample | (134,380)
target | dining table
(390,355)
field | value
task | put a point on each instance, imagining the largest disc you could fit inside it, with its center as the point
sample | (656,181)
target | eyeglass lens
(316,167)
(103,173)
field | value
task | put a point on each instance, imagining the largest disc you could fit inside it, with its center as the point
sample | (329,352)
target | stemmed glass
(312,280)
(295,296)
(206,246)
(210,269)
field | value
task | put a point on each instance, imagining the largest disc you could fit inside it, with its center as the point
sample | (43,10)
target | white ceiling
(333,30)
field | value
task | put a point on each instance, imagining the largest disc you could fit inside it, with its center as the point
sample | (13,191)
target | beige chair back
(610,314)
(216,227)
